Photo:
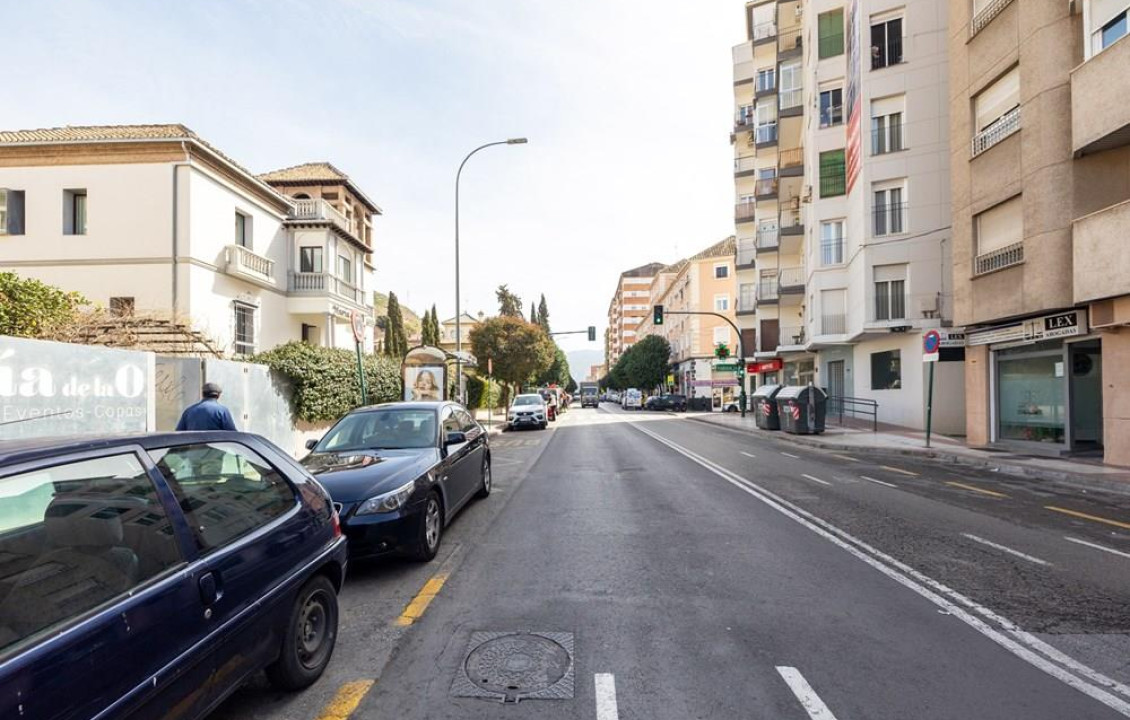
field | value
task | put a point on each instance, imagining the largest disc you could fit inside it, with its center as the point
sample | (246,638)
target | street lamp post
(458,307)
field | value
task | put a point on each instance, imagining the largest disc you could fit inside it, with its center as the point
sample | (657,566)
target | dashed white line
(1005,548)
(816,479)
(795,457)
(846,457)
(749,455)
(878,482)
(899,470)
(606,697)
(812,703)
(1096,546)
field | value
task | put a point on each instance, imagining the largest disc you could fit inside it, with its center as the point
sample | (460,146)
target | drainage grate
(513,666)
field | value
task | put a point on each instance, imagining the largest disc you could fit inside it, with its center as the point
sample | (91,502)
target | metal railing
(788,219)
(833,184)
(790,336)
(744,118)
(888,139)
(1001,128)
(309,283)
(793,157)
(765,133)
(747,299)
(767,289)
(840,406)
(791,279)
(745,164)
(746,251)
(744,211)
(833,324)
(832,251)
(240,258)
(791,98)
(768,239)
(766,187)
(889,219)
(764,31)
(790,40)
(983,18)
(998,259)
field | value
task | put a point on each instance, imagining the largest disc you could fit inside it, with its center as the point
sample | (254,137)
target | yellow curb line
(1085,516)
(348,697)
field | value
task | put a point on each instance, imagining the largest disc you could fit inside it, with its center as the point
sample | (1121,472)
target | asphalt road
(697,572)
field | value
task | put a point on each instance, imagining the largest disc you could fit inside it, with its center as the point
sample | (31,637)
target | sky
(627,107)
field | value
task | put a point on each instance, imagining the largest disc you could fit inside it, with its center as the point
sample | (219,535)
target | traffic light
(592,333)
(657,315)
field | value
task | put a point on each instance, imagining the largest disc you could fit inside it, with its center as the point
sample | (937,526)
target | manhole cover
(513,666)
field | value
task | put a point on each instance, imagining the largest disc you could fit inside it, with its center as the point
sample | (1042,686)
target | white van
(632,399)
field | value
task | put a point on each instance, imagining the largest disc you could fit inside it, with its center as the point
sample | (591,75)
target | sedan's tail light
(336,521)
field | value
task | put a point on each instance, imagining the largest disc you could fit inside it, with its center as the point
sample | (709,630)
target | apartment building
(844,247)
(152,219)
(703,282)
(1040,163)
(627,308)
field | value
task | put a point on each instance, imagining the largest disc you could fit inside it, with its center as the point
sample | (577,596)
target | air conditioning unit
(928,307)
(807,195)
(794,203)
(799,10)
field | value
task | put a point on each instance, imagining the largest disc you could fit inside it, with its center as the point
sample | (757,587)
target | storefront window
(886,370)
(800,373)
(1030,388)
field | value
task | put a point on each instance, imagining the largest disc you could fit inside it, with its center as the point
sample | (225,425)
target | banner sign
(1066,324)
(767,366)
(854,135)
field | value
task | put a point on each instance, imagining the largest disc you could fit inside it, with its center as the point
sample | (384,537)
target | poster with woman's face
(423,383)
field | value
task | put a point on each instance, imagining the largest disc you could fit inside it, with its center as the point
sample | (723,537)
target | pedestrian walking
(208,414)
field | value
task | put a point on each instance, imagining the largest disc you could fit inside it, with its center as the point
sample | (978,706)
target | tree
(517,349)
(429,330)
(533,314)
(30,308)
(509,304)
(558,371)
(643,365)
(396,344)
(571,386)
(436,326)
(543,314)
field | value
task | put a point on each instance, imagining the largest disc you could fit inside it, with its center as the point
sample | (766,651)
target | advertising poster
(854,141)
(424,382)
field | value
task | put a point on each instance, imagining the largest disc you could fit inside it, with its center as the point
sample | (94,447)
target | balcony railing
(744,119)
(767,290)
(793,157)
(745,164)
(791,98)
(983,18)
(832,251)
(1004,126)
(242,260)
(791,222)
(833,324)
(791,279)
(766,133)
(790,40)
(747,300)
(999,259)
(310,283)
(889,219)
(766,187)
(744,211)
(318,209)
(746,251)
(764,31)
(791,336)
(768,239)
(888,139)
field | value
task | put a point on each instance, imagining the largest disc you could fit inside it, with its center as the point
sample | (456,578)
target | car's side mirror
(455,438)
(311,444)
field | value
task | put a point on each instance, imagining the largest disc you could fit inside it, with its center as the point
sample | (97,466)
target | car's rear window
(384,429)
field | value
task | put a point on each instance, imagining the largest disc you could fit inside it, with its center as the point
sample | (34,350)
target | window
(74,212)
(121,306)
(999,234)
(242,230)
(76,536)
(889,210)
(767,80)
(11,212)
(996,111)
(745,115)
(887,125)
(244,329)
(721,303)
(832,242)
(832,173)
(831,30)
(1110,32)
(309,334)
(833,312)
(890,292)
(886,370)
(746,294)
(766,112)
(225,490)
(344,268)
(886,43)
(721,335)
(450,422)
(831,107)
(310,259)
(792,86)
(721,272)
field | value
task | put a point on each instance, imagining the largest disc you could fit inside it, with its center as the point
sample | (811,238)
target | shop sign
(1067,324)
(763,367)
(726,367)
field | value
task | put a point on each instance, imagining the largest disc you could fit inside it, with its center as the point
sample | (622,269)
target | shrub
(30,308)
(325,379)
(477,393)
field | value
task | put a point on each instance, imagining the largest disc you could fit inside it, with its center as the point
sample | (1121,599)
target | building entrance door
(836,378)
(1086,376)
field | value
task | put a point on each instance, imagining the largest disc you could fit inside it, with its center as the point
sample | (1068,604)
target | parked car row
(183,563)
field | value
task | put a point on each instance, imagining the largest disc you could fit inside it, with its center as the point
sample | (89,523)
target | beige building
(627,308)
(703,282)
(1040,162)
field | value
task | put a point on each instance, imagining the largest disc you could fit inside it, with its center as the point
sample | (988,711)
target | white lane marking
(816,479)
(606,697)
(899,470)
(845,457)
(812,703)
(1007,634)
(1006,549)
(1097,546)
(795,457)
(748,454)
(880,482)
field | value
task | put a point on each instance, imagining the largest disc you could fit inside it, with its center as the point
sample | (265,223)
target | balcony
(1004,126)
(747,300)
(764,32)
(1100,115)
(743,63)
(746,253)
(765,135)
(744,166)
(768,240)
(765,189)
(999,259)
(767,291)
(791,280)
(983,18)
(791,101)
(790,43)
(243,262)
(792,162)
(325,284)
(744,211)
(791,338)
(791,222)
(1102,265)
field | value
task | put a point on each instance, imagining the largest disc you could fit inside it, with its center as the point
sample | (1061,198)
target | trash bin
(802,409)
(765,407)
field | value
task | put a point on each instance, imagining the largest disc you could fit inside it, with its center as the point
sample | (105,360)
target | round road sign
(931,341)
(357,320)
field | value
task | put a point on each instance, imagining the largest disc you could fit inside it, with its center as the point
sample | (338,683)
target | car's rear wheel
(430,532)
(484,488)
(310,636)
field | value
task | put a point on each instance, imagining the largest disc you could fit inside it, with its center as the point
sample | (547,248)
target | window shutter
(832,173)
(831,30)
(1000,226)
(997,99)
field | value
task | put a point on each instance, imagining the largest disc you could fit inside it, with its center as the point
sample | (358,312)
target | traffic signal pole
(659,312)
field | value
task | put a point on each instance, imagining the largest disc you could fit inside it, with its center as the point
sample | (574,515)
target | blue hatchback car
(149,576)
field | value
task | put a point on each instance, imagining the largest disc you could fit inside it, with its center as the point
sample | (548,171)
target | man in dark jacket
(208,414)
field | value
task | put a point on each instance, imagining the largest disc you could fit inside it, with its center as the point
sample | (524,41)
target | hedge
(476,393)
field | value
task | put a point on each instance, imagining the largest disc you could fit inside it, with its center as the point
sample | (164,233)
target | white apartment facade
(870,270)
(153,220)
(628,307)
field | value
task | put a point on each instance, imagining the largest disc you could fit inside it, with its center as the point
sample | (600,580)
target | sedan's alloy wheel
(432,524)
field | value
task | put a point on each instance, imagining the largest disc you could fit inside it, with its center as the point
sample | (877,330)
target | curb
(1021,471)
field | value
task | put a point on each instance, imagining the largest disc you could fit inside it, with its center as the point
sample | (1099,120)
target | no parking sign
(931,342)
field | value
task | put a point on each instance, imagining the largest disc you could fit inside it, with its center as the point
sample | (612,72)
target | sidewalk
(1081,472)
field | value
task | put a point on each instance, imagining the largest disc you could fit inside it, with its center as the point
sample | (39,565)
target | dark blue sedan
(400,472)
(149,576)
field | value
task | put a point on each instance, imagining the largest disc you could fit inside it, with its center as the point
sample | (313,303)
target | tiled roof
(317,172)
(725,248)
(643,270)
(675,266)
